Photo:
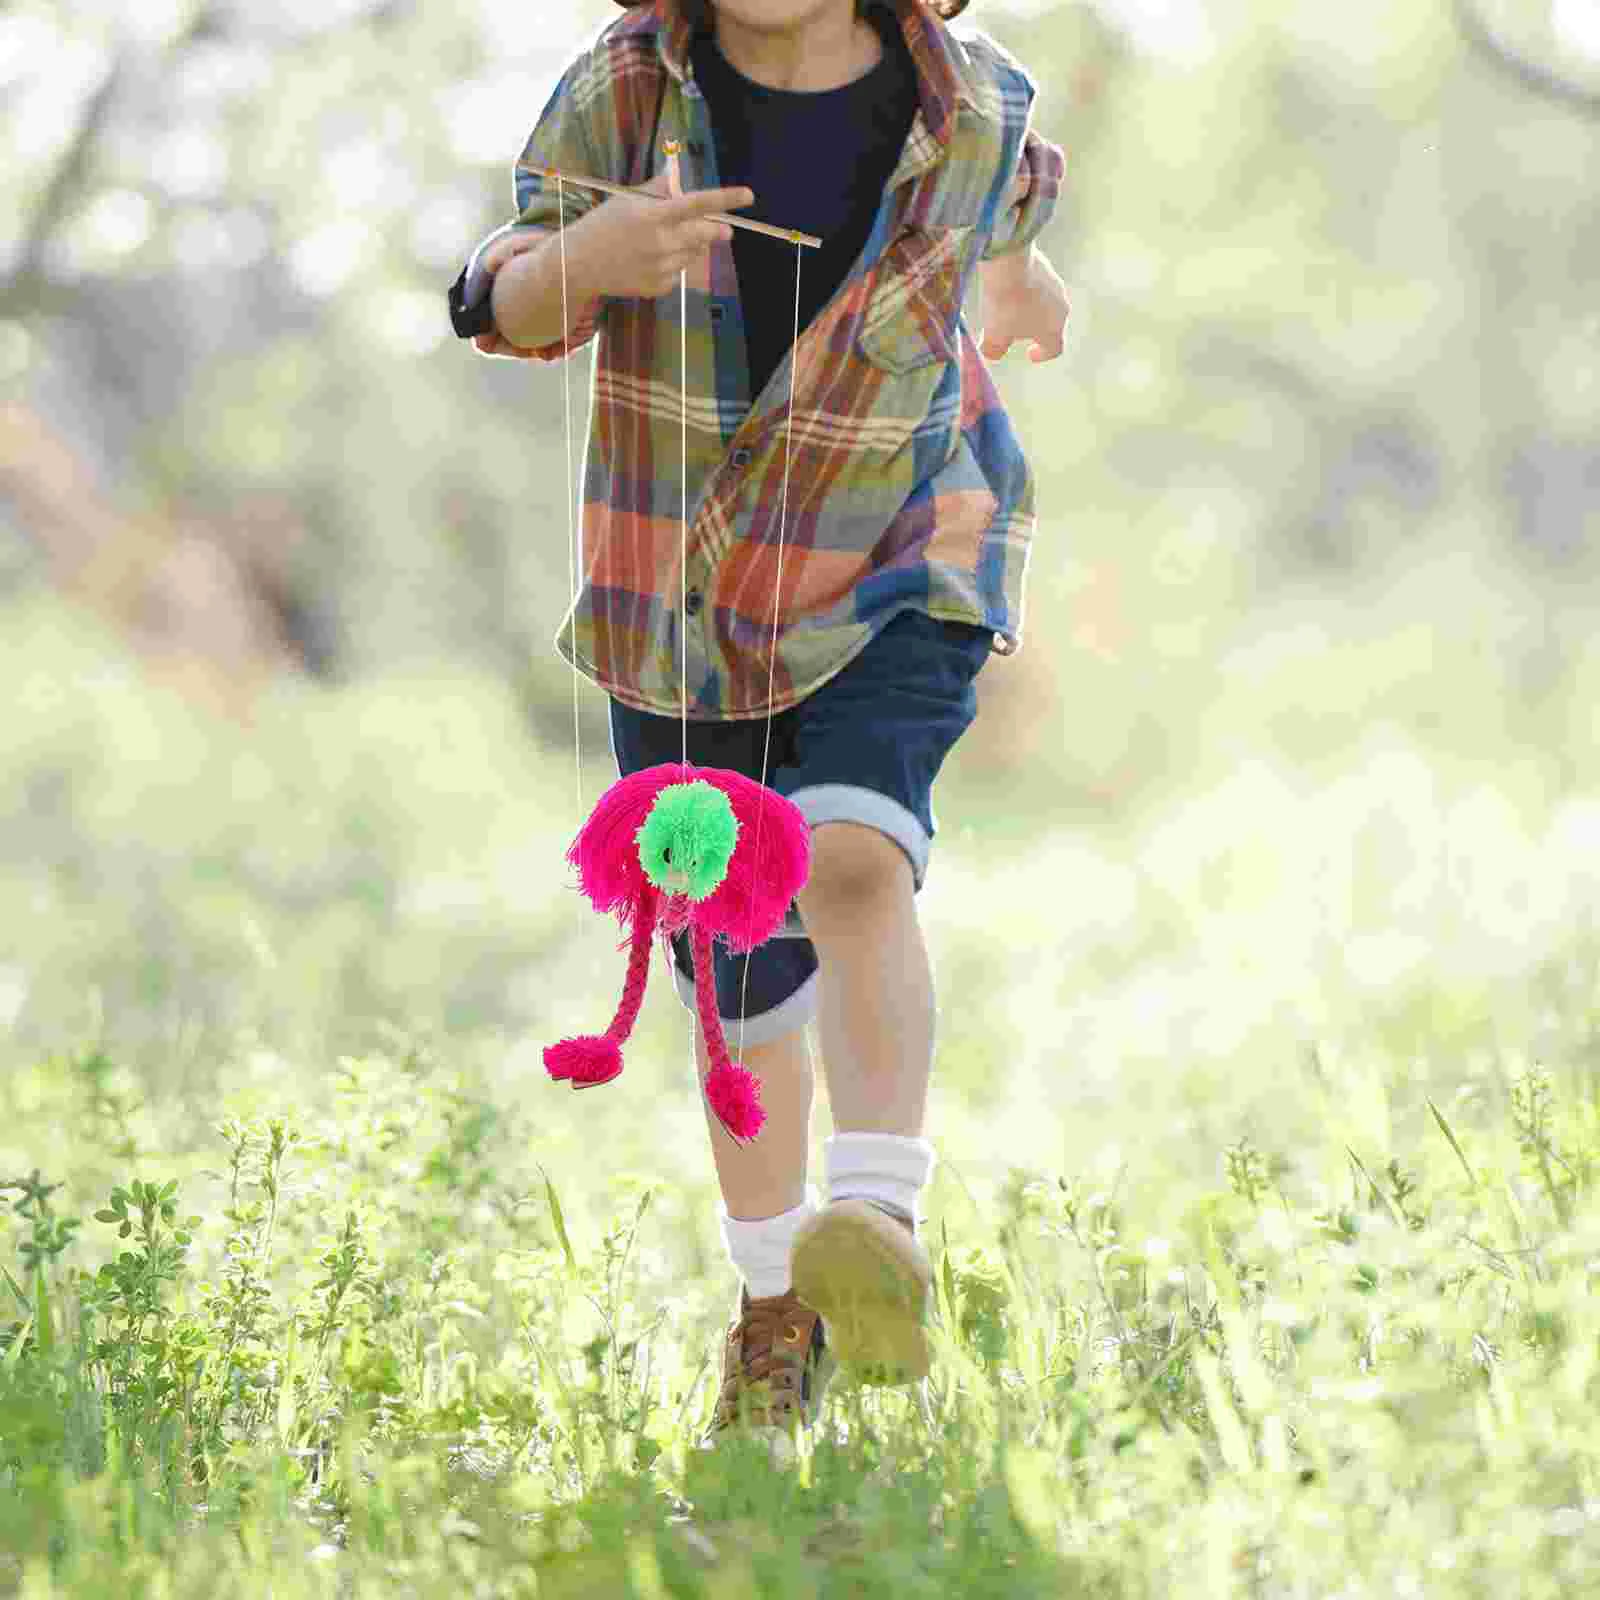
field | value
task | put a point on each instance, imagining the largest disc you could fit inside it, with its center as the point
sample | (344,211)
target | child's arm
(1023,298)
(472,310)
(529,296)
(1031,202)
(1007,273)
(575,131)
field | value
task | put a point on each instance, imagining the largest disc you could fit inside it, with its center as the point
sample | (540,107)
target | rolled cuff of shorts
(788,1016)
(847,802)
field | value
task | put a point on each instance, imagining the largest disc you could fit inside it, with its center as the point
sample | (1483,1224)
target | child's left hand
(495,343)
(1024,300)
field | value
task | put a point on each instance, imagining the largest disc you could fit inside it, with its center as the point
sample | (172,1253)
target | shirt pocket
(913,312)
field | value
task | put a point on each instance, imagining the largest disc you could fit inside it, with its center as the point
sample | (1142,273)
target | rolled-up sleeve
(1031,200)
(568,137)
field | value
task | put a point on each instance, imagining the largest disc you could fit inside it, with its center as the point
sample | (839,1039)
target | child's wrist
(1006,270)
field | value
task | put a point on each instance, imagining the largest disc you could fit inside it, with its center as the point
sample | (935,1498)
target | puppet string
(777,590)
(574,551)
(572,533)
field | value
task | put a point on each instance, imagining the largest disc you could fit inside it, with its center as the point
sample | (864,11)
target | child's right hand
(636,247)
(627,247)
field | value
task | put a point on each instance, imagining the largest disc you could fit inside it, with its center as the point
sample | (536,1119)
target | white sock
(759,1249)
(885,1168)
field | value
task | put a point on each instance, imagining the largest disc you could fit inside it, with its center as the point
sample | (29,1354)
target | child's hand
(495,343)
(635,250)
(1023,299)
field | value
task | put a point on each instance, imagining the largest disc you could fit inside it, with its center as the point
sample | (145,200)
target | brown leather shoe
(869,1277)
(775,1366)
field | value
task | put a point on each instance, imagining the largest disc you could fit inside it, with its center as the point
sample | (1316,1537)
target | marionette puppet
(675,848)
(683,848)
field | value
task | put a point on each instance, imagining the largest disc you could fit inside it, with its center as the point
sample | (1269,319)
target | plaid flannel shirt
(907,484)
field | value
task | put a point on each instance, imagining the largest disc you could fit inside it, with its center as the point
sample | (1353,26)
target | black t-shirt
(817,163)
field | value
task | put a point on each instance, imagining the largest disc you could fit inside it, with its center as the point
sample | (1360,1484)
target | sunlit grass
(1263,1223)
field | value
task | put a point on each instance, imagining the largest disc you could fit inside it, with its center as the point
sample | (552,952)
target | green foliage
(311,1291)
(1088,1375)
(363,1293)
(1263,1255)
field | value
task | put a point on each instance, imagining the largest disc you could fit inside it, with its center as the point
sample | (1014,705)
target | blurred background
(1302,742)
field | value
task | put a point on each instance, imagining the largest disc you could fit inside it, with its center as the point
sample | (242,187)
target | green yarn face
(687,840)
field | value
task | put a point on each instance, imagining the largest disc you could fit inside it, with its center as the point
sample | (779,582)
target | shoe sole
(859,1270)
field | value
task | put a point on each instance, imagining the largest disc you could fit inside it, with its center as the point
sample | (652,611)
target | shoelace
(769,1340)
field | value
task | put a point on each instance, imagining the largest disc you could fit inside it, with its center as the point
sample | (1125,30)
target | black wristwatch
(467,319)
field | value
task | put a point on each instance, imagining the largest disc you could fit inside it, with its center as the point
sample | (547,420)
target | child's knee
(852,865)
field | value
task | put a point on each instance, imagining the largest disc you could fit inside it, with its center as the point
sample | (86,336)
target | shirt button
(741,458)
(692,602)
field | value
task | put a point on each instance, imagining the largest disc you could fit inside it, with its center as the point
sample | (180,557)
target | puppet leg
(733,1091)
(590,1059)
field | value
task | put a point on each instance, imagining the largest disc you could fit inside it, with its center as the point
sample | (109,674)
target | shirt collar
(940,61)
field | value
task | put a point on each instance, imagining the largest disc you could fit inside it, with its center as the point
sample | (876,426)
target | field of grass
(1265,1225)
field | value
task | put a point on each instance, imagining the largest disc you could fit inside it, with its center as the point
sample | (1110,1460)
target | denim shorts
(863,748)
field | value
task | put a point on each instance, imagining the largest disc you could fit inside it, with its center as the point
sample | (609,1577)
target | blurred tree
(206,601)
(1332,271)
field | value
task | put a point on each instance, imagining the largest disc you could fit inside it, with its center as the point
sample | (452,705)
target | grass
(1264,1224)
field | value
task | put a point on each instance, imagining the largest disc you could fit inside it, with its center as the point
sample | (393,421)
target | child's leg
(875,1003)
(775,1363)
(870,743)
(764,1195)
(767,1176)
(866,1274)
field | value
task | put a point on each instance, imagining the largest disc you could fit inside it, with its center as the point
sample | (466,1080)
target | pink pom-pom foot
(734,1093)
(587,1061)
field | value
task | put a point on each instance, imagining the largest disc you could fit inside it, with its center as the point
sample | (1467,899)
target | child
(906,511)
